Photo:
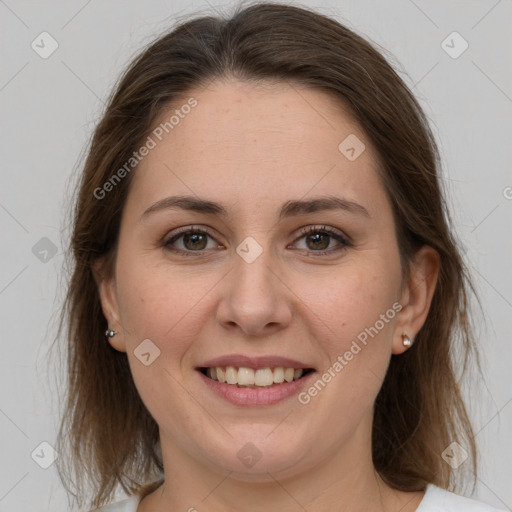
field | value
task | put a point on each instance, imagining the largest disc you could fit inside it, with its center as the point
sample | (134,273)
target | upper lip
(238,361)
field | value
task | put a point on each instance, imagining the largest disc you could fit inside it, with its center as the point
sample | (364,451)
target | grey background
(50,106)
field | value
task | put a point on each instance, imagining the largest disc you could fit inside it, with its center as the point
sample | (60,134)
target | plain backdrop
(50,107)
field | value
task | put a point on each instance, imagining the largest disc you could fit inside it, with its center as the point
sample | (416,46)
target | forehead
(256,144)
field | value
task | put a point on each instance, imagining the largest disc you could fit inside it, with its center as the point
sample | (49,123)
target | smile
(254,378)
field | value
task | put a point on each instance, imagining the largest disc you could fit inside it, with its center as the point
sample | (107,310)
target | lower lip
(255,396)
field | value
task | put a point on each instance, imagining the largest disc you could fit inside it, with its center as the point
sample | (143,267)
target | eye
(192,240)
(318,240)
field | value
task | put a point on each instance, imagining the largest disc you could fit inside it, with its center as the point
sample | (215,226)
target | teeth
(278,375)
(262,377)
(289,374)
(231,375)
(221,374)
(245,376)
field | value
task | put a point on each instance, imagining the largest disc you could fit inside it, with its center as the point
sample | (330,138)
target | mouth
(254,378)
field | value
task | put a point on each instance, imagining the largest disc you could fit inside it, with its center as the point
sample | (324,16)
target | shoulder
(128,505)
(437,499)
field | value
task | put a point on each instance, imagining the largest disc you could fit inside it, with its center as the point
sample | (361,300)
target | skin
(252,148)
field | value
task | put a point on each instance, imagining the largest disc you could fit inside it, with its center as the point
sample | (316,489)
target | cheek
(353,298)
(358,315)
(162,302)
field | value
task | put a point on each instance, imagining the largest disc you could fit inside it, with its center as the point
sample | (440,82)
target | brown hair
(112,438)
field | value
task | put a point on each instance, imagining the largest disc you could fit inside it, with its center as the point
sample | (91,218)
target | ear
(416,296)
(108,296)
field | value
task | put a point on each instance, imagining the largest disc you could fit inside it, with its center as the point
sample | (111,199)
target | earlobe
(416,298)
(109,305)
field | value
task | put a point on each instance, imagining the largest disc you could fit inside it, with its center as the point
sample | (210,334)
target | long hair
(107,437)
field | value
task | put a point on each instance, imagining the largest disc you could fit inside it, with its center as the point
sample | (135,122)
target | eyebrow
(291,208)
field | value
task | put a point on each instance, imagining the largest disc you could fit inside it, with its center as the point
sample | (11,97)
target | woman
(266,291)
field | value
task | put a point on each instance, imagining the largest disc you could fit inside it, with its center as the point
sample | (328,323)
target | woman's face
(252,282)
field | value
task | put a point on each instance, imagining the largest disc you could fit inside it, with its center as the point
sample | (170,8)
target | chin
(255,453)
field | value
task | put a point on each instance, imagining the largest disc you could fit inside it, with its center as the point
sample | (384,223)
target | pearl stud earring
(406,341)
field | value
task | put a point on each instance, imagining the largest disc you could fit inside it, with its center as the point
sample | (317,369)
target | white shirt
(435,500)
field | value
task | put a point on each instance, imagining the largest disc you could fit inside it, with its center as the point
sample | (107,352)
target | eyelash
(303,232)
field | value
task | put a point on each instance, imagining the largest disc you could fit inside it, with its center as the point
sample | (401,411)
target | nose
(254,298)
